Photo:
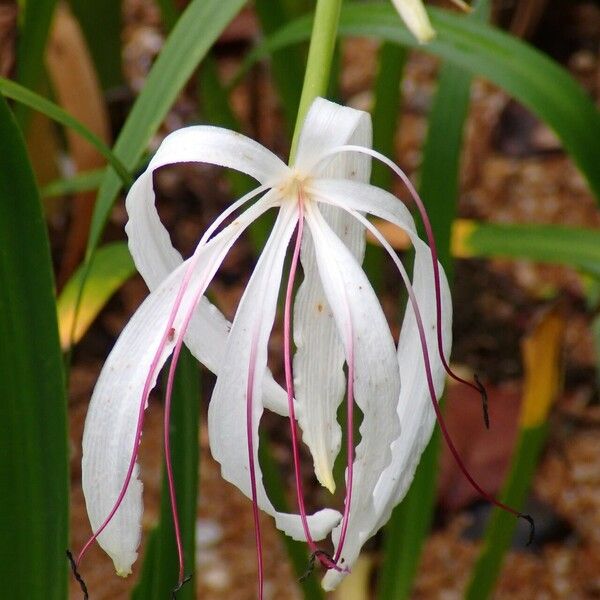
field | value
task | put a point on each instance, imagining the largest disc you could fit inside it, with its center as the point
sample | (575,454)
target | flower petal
(415,411)
(414,15)
(150,243)
(245,357)
(319,380)
(112,419)
(367,339)
(328,125)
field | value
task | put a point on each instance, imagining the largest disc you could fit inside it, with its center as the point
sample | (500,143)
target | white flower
(337,321)
(414,15)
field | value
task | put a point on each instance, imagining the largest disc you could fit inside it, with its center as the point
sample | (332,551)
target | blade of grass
(111,267)
(439,188)
(160,571)
(33,420)
(81,182)
(541,356)
(540,84)
(195,32)
(100,21)
(13,90)
(33,35)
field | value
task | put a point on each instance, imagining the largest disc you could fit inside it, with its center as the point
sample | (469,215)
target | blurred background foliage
(91,86)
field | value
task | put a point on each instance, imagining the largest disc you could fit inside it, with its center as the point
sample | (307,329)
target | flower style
(338,324)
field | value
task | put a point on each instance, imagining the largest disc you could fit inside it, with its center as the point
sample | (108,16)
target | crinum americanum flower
(342,341)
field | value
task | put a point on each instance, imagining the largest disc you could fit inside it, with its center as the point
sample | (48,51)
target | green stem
(318,65)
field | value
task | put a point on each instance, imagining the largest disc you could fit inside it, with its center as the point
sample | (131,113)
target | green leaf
(85,181)
(297,551)
(439,174)
(385,116)
(33,419)
(542,383)
(111,267)
(195,32)
(501,527)
(573,246)
(525,73)
(411,520)
(439,188)
(33,35)
(217,110)
(13,90)
(407,528)
(287,65)
(161,568)
(100,21)
(170,13)
(387,108)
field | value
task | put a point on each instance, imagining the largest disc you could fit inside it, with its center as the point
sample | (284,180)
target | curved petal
(245,360)
(369,345)
(112,419)
(319,379)
(328,125)
(414,406)
(150,244)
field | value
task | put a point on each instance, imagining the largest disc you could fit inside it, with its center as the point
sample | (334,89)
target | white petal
(414,408)
(328,125)
(414,15)
(415,411)
(112,417)
(318,363)
(150,243)
(366,335)
(246,354)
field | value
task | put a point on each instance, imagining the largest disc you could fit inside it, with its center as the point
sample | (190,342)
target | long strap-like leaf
(33,422)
